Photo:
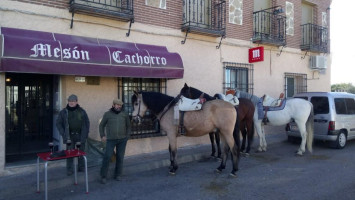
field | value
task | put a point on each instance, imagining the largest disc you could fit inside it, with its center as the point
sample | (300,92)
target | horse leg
(171,161)
(264,145)
(218,143)
(235,151)
(260,130)
(250,129)
(242,129)
(302,128)
(212,144)
(224,158)
(173,155)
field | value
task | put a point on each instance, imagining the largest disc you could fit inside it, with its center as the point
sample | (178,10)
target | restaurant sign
(52,53)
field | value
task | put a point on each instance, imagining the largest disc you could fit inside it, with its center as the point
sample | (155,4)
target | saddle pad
(279,107)
(260,108)
(186,104)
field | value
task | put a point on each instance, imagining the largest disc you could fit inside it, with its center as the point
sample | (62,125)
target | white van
(334,117)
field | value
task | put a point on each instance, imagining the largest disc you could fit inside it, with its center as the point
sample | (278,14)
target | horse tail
(310,129)
(252,130)
(236,134)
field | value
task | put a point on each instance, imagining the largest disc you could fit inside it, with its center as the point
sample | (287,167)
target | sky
(342,41)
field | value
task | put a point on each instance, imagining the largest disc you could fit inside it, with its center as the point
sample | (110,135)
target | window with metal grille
(238,76)
(150,125)
(295,83)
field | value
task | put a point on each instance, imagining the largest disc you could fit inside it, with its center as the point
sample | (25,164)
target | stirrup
(265,120)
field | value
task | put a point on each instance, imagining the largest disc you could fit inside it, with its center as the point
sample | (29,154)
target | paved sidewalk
(21,183)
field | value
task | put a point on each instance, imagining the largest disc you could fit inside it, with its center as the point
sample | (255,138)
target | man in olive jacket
(118,129)
(73,123)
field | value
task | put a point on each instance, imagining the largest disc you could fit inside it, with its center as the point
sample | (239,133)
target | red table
(74,153)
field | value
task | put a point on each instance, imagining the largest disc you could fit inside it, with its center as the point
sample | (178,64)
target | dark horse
(214,115)
(245,111)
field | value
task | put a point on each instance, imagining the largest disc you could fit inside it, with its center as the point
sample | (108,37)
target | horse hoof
(233,175)
(246,155)
(218,171)
(298,153)
(172,173)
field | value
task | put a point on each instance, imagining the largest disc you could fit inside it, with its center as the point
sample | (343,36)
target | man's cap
(73,97)
(118,101)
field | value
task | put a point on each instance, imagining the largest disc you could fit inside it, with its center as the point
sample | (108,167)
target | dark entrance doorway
(29,115)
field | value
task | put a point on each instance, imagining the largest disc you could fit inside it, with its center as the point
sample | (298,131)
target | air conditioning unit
(318,62)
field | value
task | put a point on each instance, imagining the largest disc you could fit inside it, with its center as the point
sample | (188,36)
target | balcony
(113,9)
(269,27)
(206,17)
(314,38)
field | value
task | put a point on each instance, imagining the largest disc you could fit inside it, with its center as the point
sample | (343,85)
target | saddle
(279,105)
(230,98)
(186,104)
(230,91)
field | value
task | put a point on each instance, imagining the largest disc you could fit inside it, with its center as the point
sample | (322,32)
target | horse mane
(252,98)
(197,93)
(155,101)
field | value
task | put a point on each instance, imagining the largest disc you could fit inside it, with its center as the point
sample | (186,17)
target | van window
(305,98)
(340,107)
(350,105)
(320,105)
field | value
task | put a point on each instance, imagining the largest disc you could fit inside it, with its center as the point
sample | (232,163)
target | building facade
(101,50)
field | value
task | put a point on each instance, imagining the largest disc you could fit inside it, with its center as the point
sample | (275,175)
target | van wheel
(340,142)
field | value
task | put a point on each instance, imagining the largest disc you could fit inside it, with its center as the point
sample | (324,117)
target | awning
(51,53)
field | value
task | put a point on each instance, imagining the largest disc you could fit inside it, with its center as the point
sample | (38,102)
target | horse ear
(186,85)
(135,93)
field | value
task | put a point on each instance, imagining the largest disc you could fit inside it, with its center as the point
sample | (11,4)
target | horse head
(186,91)
(193,93)
(139,108)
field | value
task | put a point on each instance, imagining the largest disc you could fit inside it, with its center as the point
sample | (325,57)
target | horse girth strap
(181,118)
(167,107)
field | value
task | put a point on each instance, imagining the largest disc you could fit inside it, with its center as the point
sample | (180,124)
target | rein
(169,105)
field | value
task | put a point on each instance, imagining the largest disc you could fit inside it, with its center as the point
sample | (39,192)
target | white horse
(299,110)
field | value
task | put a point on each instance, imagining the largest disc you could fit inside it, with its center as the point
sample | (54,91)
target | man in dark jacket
(73,124)
(118,129)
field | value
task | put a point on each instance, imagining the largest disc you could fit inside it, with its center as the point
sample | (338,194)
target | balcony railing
(269,27)
(114,9)
(206,17)
(314,38)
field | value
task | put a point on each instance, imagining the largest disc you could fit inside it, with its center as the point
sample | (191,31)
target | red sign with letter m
(256,54)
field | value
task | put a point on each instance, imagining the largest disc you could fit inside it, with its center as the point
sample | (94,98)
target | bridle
(138,116)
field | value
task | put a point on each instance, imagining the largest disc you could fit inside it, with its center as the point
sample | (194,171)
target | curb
(25,183)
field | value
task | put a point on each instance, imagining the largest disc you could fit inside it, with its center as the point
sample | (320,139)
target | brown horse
(214,115)
(245,111)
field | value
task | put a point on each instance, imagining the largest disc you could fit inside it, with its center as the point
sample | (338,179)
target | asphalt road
(276,174)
